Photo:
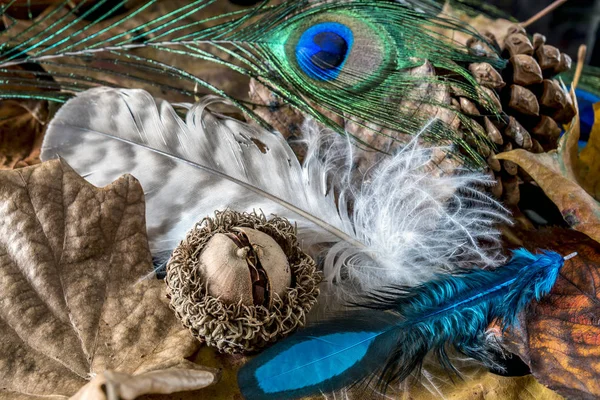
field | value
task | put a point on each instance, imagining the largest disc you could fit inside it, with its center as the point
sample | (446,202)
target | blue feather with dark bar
(388,339)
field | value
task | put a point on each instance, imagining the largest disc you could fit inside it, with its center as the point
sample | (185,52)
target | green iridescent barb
(352,59)
(590,79)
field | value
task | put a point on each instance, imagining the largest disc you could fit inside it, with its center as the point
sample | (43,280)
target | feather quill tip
(537,274)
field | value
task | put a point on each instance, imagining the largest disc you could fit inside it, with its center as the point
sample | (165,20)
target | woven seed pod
(240,327)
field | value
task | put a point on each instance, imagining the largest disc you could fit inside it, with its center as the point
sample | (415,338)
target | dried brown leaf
(72,304)
(111,385)
(580,210)
(557,174)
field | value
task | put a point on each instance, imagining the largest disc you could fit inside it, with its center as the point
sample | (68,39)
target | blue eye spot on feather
(323,49)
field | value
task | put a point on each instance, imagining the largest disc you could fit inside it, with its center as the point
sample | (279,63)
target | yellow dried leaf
(72,304)
(488,386)
(589,159)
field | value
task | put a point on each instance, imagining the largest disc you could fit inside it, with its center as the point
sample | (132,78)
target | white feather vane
(398,225)
(412,220)
(104,133)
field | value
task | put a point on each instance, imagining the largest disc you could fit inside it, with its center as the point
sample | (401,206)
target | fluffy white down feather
(412,223)
(404,223)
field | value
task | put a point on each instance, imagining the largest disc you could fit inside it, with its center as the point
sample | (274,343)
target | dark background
(572,24)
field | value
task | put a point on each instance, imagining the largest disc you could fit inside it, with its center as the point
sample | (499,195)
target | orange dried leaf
(559,337)
(580,210)
(557,174)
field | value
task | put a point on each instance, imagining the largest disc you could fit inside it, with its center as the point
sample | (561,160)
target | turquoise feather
(386,343)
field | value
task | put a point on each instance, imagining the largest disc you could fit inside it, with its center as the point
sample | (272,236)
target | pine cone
(533,104)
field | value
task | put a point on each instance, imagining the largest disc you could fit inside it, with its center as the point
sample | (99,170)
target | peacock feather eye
(323,49)
(338,51)
(376,63)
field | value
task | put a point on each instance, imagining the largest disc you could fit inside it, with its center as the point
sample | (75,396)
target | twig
(543,13)
(580,62)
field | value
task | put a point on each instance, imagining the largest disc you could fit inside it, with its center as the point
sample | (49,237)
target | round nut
(273,260)
(226,269)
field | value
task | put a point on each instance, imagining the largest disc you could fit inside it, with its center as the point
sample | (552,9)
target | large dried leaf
(559,337)
(557,174)
(72,303)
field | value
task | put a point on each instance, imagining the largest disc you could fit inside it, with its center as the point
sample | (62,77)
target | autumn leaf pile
(77,322)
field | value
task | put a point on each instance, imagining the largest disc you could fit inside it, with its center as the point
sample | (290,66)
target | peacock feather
(350,60)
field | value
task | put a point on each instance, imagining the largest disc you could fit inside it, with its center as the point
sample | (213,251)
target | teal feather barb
(352,59)
(388,341)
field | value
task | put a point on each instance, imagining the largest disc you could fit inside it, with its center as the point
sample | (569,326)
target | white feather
(413,223)
(404,225)
(104,133)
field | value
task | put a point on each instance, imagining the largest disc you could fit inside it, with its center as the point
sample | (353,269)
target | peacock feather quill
(386,342)
(349,59)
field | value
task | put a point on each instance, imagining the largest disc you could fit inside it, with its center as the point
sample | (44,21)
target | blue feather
(387,341)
